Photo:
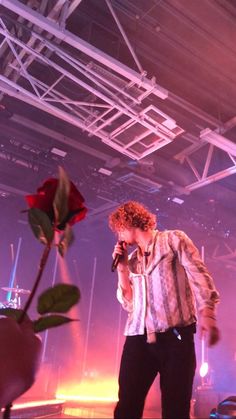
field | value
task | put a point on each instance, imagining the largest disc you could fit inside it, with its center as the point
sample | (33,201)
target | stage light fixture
(204,369)
(58,152)
(105,171)
(178,200)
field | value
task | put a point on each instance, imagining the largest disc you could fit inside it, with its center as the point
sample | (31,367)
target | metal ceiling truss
(227,255)
(57,12)
(107,98)
(215,140)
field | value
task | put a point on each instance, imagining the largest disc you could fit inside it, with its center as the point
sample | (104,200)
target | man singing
(159,285)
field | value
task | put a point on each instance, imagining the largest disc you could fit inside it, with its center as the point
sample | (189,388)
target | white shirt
(166,289)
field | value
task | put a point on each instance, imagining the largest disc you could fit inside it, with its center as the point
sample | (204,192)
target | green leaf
(66,240)
(14,313)
(41,225)
(60,203)
(47,322)
(59,299)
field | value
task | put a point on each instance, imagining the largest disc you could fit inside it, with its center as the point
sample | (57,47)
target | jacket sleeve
(198,275)
(126,304)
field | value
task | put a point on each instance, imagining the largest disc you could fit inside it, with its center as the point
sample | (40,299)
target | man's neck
(144,239)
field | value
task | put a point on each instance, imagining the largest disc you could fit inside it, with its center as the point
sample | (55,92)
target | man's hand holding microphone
(120,262)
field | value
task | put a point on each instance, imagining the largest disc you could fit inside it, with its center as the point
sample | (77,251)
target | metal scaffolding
(107,98)
(54,70)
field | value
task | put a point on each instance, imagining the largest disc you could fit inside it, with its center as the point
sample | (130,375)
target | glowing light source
(105,171)
(178,200)
(58,152)
(87,399)
(204,369)
(37,403)
(204,364)
(103,390)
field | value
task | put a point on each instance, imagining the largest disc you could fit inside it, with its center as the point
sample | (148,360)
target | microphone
(116,259)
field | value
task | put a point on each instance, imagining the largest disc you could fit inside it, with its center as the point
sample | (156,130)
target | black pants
(172,358)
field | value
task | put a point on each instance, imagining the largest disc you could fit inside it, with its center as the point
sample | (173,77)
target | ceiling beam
(13,190)
(213,178)
(78,43)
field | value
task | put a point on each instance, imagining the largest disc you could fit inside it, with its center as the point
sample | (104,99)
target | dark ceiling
(184,48)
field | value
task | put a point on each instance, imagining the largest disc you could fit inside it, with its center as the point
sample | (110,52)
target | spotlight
(204,369)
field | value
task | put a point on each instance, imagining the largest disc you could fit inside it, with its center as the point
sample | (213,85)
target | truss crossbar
(215,140)
(213,178)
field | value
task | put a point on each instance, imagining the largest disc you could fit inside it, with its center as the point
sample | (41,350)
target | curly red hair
(132,214)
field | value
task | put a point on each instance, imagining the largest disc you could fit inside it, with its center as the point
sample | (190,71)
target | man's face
(128,235)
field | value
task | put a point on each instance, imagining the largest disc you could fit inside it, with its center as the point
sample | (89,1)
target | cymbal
(8,304)
(16,290)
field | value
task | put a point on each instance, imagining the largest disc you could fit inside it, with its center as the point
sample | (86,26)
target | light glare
(203,369)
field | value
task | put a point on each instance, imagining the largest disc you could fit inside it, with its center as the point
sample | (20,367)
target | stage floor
(62,410)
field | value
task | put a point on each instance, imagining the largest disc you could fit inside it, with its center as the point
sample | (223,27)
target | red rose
(44,198)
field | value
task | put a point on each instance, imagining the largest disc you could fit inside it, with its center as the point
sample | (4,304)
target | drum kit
(16,301)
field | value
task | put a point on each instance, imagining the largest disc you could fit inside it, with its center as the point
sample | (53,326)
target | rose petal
(78,217)
(45,197)
(75,198)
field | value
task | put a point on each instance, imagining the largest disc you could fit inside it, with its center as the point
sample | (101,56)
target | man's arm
(202,284)
(208,326)
(125,293)
(124,283)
